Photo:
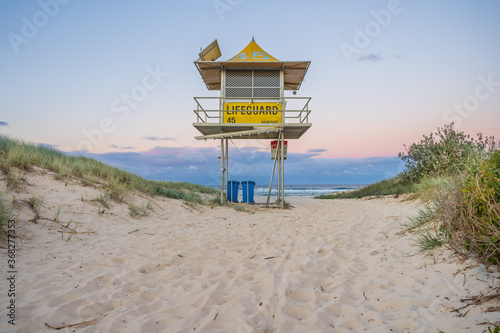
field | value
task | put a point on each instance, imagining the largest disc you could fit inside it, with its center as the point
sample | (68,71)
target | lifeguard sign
(257,113)
(252,103)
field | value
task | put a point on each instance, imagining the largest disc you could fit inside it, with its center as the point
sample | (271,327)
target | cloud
(202,166)
(155,138)
(4,123)
(120,147)
(317,150)
(371,57)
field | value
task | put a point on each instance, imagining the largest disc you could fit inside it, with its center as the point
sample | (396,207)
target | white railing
(213,114)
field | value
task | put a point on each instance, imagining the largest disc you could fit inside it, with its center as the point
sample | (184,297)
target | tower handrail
(206,115)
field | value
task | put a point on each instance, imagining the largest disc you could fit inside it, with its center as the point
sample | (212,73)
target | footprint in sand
(152,268)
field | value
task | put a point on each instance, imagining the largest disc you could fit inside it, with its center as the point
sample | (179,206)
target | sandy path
(323,266)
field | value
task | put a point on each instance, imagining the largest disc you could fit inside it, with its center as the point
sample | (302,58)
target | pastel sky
(382,74)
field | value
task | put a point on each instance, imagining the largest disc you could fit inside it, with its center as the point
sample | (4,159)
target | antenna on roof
(253,40)
(211,52)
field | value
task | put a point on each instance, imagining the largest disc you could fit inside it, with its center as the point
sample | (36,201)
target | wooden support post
(227,164)
(282,147)
(272,174)
(278,158)
(221,171)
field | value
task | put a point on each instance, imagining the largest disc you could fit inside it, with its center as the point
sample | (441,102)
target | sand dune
(323,266)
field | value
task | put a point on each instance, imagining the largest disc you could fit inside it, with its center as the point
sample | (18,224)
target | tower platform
(213,123)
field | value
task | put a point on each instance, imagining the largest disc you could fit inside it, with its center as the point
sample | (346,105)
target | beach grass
(18,158)
(139,210)
(393,186)
(461,211)
(467,210)
(5,215)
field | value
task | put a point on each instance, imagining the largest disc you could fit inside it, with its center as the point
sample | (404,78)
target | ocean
(300,190)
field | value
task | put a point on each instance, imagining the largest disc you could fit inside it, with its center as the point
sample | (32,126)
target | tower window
(253,84)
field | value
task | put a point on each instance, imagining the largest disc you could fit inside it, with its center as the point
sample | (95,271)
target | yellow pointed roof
(253,52)
(253,57)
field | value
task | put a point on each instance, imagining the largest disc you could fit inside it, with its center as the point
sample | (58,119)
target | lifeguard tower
(252,104)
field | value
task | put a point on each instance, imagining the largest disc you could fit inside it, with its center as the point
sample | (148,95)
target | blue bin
(232,190)
(248,188)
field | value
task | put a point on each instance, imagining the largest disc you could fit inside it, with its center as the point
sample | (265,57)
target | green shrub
(481,209)
(442,152)
(463,211)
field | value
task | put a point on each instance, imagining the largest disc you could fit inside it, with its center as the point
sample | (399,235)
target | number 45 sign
(253,52)
(256,55)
